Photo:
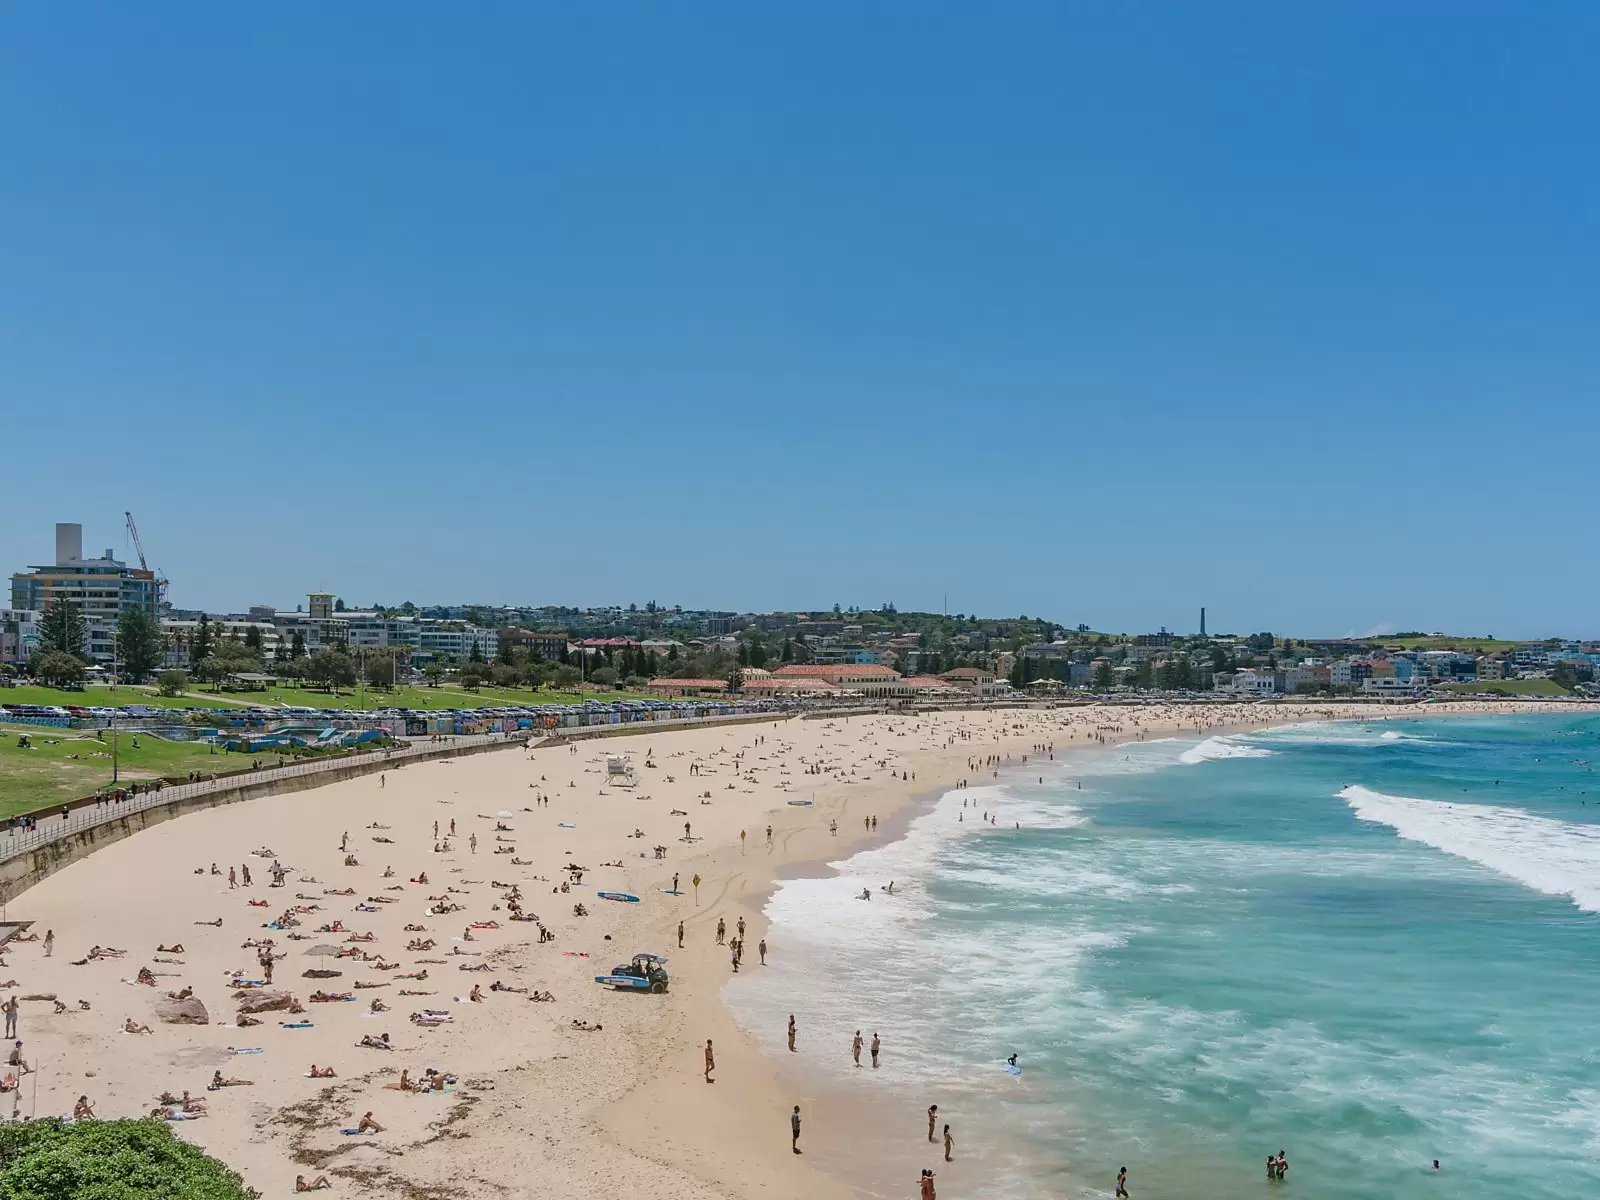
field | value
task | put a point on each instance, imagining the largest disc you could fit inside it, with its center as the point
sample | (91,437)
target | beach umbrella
(325,949)
(504,813)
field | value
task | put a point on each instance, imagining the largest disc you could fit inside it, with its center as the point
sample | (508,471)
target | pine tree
(62,629)
(200,641)
(139,644)
(297,647)
(788,651)
(758,654)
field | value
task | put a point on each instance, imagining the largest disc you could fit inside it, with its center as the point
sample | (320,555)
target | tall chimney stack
(69,542)
(1202,622)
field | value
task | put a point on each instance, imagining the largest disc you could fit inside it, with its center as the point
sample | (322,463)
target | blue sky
(1101,312)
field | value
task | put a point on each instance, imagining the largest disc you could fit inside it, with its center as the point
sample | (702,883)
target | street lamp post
(115,763)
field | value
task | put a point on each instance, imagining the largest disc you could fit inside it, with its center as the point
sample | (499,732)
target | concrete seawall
(22,871)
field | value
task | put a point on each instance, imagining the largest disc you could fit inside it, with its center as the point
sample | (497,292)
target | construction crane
(133,532)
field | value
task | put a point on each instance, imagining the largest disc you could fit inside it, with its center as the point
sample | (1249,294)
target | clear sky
(1100,312)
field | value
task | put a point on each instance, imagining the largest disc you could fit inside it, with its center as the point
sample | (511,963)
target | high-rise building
(102,588)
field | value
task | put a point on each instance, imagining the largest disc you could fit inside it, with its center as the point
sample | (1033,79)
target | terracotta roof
(859,669)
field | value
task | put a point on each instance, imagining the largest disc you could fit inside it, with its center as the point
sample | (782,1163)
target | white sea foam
(1558,858)
(1215,748)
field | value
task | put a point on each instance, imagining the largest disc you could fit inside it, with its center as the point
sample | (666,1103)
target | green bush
(110,1160)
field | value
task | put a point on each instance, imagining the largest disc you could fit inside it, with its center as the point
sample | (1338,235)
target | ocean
(1368,944)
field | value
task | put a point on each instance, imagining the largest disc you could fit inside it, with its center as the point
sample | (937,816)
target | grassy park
(1511,687)
(63,764)
(202,696)
(100,695)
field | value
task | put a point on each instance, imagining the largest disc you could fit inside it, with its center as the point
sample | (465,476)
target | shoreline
(869,1174)
(536,1098)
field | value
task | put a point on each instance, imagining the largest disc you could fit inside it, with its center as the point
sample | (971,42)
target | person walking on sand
(711,1062)
(722,931)
(855,1048)
(949,1143)
(741,931)
(741,841)
(49,942)
(875,1045)
(933,1117)
(473,842)
(792,1032)
(794,1129)
(233,879)
(762,947)
(680,935)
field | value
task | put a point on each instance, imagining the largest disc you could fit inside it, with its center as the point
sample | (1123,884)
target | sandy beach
(536,1105)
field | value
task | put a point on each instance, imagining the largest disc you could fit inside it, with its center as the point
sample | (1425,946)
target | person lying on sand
(217,923)
(183,995)
(375,1043)
(175,948)
(128,1026)
(319,1184)
(105,952)
(321,997)
(217,1081)
(586,1027)
(323,1072)
(497,986)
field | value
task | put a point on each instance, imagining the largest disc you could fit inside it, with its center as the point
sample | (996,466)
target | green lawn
(99,695)
(1511,687)
(63,765)
(420,698)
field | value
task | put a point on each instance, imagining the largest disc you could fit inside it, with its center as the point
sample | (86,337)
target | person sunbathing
(377,1006)
(338,891)
(405,1084)
(321,997)
(362,937)
(388,872)
(182,995)
(422,879)
(497,986)
(217,923)
(420,944)
(350,860)
(586,1027)
(542,997)
(416,929)
(323,1072)
(105,952)
(245,1020)
(319,1184)
(476,995)
(335,927)
(145,976)
(408,992)
(375,1043)
(175,948)
(217,1081)
(128,1026)
(368,1125)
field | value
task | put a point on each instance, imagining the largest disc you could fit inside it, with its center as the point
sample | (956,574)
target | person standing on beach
(711,1062)
(933,1117)
(855,1048)
(233,879)
(762,947)
(769,837)
(680,935)
(794,1127)
(792,1032)
(473,842)
(875,1045)
(741,841)
(741,931)
(722,931)
(1122,1183)
(49,942)
(10,1008)
(949,1143)
(244,871)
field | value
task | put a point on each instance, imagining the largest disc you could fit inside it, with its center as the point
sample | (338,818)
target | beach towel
(297,1024)
(247,1050)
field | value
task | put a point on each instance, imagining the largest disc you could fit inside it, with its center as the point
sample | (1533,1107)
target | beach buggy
(646,973)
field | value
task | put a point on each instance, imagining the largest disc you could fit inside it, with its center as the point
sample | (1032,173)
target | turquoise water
(1369,945)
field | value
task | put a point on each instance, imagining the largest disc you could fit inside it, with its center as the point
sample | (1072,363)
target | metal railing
(21,838)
